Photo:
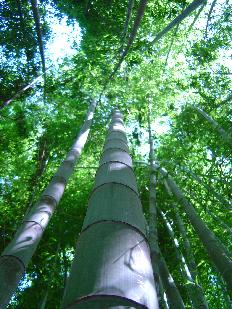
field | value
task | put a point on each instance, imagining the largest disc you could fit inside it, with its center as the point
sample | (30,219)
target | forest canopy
(167,61)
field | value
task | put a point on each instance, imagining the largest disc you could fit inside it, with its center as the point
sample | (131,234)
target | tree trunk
(220,221)
(153,233)
(43,302)
(87,7)
(209,212)
(22,28)
(217,252)
(195,19)
(42,158)
(163,301)
(227,298)
(65,266)
(209,18)
(112,264)
(225,136)
(170,46)
(18,253)
(186,243)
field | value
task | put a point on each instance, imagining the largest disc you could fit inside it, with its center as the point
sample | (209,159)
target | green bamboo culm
(112,265)
(18,253)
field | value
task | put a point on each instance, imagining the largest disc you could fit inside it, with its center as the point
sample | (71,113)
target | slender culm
(17,94)
(112,264)
(193,289)
(173,295)
(18,253)
(152,222)
(36,15)
(218,253)
(185,13)
(224,135)
(197,288)
(138,19)
(159,265)
(127,21)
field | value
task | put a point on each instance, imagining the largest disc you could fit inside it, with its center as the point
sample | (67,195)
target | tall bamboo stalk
(18,253)
(216,250)
(153,232)
(194,290)
(160,269)
(127,21)
(202,303)
(135,27)
(112,266)
(36,16)
(173,295)
(16,95)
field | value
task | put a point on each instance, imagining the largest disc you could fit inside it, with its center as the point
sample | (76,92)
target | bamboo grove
(115,166)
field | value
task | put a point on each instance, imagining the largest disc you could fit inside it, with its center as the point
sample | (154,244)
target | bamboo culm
(191,260)
(18,253)
(225,136)
(127,21)
(216,250)
(112,266)
(186,12)
(32,83)
(173,295)
(160,269)
(138,18)
(36,16)
(194,290)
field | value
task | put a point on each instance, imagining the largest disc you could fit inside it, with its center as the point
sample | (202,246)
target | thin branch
(195,18)
(209,17)
(171,44)
(22,90)
(226,100)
